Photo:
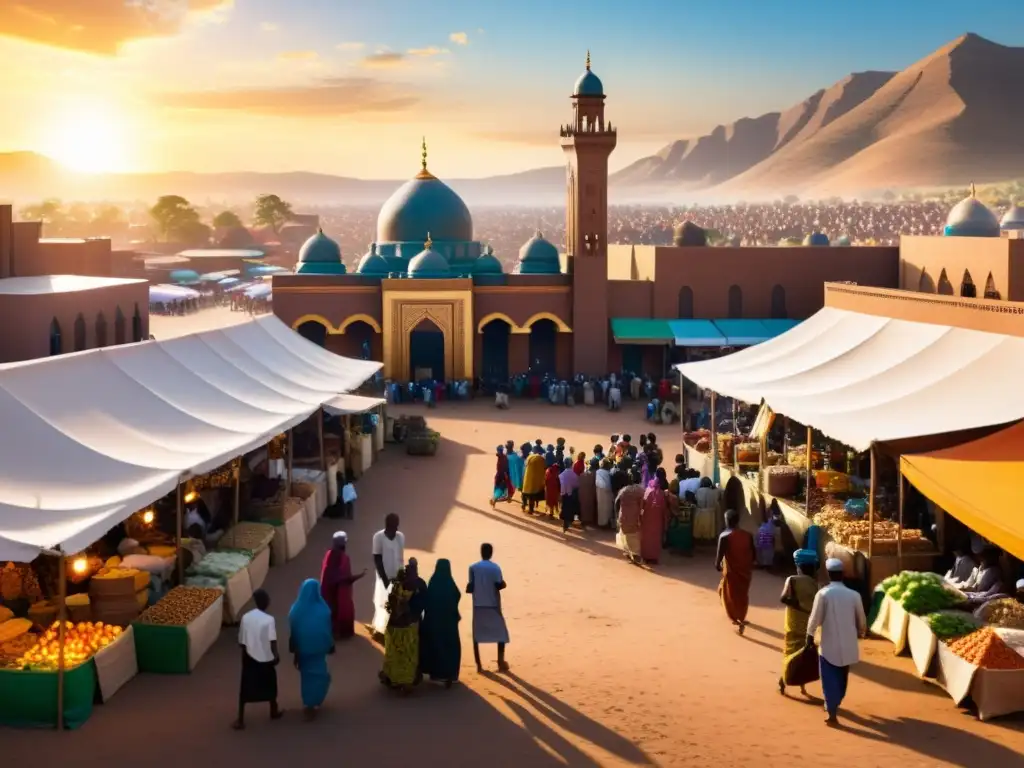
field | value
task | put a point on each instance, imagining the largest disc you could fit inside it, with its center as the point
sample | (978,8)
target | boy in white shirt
(257,636)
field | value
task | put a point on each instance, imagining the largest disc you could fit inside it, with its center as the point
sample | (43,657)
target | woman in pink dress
(336,582)
(654,518)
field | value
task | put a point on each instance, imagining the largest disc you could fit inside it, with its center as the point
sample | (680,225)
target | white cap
(834,564)
(340,536)
(1020,583)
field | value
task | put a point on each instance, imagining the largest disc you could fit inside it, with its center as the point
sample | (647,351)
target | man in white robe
(388,557)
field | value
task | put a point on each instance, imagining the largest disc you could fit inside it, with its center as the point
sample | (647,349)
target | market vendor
(986,581)
(1020,590)
(963,566)
(198,514)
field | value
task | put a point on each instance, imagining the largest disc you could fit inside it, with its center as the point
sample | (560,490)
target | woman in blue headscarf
(799,665)
(311,641)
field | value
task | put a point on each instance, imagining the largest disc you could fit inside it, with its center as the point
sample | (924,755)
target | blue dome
(487,264)
(971,218)
(428,263)
(538,257)
(319,268)
(421,205)
(320,249)
(842,240)
(816,239)
(1013,218)
(373,264)
(588,83)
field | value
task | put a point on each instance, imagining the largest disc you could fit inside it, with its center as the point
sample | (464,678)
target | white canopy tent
(862,378)
(97,435)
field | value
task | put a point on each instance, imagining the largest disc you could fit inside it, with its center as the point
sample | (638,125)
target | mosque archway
(543,346)
(967,288)
(686,302)
(56,344)
(735,301)
(945,288)
(990,289)
(81,340)
(426,351)
(494,362)
(779,303)
(313,331)
(360,337)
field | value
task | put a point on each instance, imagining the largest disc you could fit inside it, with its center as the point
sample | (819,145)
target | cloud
(330,97)
(351,45)
(102,26)
(298,56)
(383,60)
(269,26)
(428,51)
(459,38)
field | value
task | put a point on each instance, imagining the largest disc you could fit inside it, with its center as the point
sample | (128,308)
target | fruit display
(139,578)
(984,648)
(247,537)
(797,457)
(11,651)
(726,442)
(222,477)
(921,593)
(13,628)
(18,580)
(277,447)
(81,642)
(180,607)
(1004,612)
(5,613)
(698,435)
(748,453)
(951,623)
(853,532)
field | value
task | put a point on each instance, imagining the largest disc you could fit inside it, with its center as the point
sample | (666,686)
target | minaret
(587,142)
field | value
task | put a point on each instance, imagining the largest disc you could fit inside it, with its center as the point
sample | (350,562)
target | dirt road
(611,664)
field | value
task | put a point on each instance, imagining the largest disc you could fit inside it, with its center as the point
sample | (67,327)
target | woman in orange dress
(629,510)
(654,518)
(735,560)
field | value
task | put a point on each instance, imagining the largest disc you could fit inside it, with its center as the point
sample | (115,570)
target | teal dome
(428,263)
(373,264)
(421,205)
(816,239)
(588,83)
(319,249)
(1013,218)
(487,264)
(538,257)
(843,241)
(971,218)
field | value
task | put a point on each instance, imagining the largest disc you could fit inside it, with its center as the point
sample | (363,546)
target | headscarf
(332,575)
(442,593)
(500,450)
(310,621)
(805,557)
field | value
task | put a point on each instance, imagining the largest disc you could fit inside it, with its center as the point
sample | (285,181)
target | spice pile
(180,607)
(984,648)
(1004,612)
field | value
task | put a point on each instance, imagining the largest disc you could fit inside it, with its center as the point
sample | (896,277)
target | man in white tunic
(388,557)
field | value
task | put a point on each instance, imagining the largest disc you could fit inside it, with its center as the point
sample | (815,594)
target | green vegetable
(921,593)
(950,625)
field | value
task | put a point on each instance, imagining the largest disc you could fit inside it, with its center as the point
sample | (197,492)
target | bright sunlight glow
(90,139)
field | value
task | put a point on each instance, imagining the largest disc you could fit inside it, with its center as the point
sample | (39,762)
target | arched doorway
(926,284)
(735,301)
(686,303)
(101,330)
(313,331)
(137,325)
(426,351)
(56,346)
(119,336)
(990,288)
(494,364)
(80,333)
(360,340)
(543,346)
(967,287)
(779,303)
(945,287)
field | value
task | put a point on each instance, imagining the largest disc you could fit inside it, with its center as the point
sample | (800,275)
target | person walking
(839,612)
(735,560)
(257,637)
(440,647)
(336,582)
(534,486)
(799,664)
(485,585)
(310,640)
(388,558)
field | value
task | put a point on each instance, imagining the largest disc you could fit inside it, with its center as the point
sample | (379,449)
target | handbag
(804,667)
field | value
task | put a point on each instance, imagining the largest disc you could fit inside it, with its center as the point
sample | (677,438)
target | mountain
(951,118)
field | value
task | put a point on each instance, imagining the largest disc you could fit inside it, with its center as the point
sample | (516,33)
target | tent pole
(291,453)
(346,424)
(320,436)
(807,492)
(682,406)
(179,515)
(237,463)
(62,610)
(872,488)
(785,439)
(714,438)
(899,530)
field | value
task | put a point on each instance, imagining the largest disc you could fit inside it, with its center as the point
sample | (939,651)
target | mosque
(431,301)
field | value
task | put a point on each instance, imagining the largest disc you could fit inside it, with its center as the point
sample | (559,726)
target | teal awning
(640,330)
(696,333)
(747,332)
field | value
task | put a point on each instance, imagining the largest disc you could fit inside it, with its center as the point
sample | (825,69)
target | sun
(90,139)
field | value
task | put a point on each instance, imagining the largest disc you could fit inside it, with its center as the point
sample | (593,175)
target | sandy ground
(611,664)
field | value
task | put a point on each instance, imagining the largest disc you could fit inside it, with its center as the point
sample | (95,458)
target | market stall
(174,634)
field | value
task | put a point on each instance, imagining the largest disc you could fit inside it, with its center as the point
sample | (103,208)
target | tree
(271,211)
(107,220)
(51,212)
(226,220)
(176,219)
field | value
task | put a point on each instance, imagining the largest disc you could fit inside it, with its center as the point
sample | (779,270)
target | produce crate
(289,540)
(994,692)
(259,568)
(171,650)
(116,664)
(28,699)
(237,592)
(891,623)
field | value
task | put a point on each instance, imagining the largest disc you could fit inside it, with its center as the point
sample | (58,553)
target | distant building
(427,296)
(60,296)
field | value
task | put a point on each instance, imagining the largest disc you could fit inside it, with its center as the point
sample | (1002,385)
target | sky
(349,88)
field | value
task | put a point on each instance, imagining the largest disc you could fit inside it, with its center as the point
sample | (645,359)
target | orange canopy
(979,483)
